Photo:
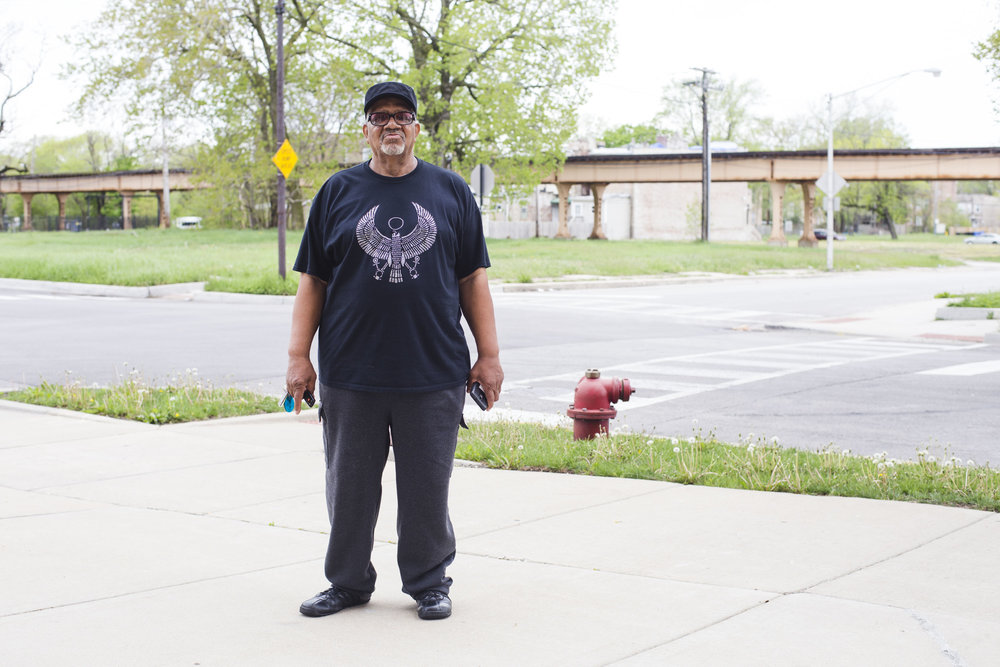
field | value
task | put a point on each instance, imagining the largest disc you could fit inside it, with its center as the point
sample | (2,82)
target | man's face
(393,139)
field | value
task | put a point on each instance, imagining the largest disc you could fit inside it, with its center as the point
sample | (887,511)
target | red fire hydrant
(591,407)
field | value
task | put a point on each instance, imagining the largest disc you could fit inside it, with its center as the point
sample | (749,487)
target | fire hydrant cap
(592,373)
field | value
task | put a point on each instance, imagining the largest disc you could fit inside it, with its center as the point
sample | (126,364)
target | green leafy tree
(887,202)
(212,65)
(625,135)
(730,110)
(12,84)
(497,81)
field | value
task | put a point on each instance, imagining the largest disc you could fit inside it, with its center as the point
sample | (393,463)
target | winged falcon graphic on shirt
(396,251)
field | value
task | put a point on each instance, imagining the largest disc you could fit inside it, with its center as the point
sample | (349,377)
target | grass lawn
(753,463)
(227,260)
(247,260)
(975,300)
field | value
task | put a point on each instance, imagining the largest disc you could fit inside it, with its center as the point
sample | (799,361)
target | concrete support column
(777,217)
(563,231)
(126,210)
(808,239)
(62,197)
(598,190)
(26,198)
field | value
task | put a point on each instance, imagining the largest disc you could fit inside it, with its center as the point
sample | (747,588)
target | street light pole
(829,152)
(829,170)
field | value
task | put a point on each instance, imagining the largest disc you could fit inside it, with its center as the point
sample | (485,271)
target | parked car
(188,222)
(989,239)
(820,233)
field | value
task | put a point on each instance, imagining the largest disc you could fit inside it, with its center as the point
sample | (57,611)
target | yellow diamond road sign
(285,158)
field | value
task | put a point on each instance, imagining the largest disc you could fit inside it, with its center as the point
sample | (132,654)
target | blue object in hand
(289,401)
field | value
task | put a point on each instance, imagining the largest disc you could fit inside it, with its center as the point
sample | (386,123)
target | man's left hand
(488,373)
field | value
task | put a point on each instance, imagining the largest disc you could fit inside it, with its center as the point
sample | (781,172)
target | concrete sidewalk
(129,544)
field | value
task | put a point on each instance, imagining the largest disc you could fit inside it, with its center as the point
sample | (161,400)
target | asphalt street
(781,356)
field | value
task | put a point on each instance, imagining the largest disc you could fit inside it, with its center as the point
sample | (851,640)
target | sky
(797,51)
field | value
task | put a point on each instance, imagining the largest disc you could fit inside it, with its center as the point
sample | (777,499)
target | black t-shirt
(392,251)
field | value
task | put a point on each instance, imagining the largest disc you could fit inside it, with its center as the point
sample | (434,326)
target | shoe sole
(305,611)
(433,615)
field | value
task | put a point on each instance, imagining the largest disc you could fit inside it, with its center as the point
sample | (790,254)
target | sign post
(482,182)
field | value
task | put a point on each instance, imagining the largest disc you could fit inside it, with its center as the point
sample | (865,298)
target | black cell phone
(479,396)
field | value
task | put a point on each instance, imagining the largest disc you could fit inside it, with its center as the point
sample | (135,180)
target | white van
(188,222)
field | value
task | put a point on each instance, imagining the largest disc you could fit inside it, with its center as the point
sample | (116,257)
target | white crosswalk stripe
(647,305)
(669,378)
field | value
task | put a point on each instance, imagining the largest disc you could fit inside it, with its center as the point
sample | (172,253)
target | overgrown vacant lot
(247,260)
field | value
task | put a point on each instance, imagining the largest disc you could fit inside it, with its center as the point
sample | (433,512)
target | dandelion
(649,442)
(520,447)
(931,459)
(694,422)
(774,440)
(691,440)
(677,450)
(673,441)
(846,452)
(970,462)
(881,466)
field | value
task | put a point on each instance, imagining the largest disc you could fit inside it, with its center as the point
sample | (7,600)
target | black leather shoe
(432,605)
(331,601)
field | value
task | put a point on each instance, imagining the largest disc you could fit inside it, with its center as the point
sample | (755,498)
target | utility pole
(706,153)
(165,219)
(279,10)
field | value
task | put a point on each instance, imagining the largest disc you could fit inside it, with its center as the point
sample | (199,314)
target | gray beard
(393,148)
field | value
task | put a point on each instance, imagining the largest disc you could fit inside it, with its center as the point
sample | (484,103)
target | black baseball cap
(393,89)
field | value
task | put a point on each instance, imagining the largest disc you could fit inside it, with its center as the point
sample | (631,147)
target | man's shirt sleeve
(472,253)
(312,257)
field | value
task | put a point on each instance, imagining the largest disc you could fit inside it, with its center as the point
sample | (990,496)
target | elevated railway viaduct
(777,168)
(127,183)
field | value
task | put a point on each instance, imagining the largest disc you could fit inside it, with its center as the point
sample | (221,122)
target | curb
(87,289)
(309,416)
(237,297)
(962,313)
(63,412)
(599,282)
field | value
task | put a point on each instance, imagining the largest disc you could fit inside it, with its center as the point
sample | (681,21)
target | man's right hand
(301,376)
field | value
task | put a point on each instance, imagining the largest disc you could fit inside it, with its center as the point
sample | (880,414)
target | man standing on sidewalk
(393,255)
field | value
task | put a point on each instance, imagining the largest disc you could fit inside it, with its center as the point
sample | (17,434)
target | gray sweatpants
(358,428)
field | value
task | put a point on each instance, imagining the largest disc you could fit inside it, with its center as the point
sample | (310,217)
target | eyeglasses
(381,118)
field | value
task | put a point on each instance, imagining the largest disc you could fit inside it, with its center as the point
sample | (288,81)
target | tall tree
(211,65)
(887,201)
(497,81)
(730,110)
(624,135)
(11,85)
